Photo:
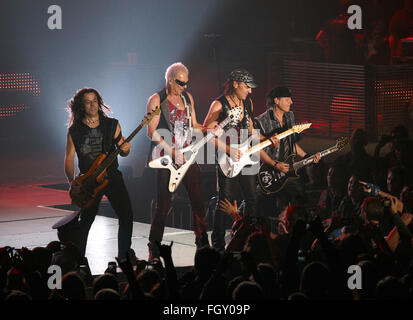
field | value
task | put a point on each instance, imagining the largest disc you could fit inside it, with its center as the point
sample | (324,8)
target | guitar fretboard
(210,135)
(310,159)
(268,142)
(108,161)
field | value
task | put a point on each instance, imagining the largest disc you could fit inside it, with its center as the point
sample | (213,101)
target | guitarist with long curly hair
(92,133)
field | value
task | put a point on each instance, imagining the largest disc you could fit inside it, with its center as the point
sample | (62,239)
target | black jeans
(119,199)
(227,189)
(192,183)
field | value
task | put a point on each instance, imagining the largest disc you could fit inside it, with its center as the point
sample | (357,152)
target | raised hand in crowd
(165,251)
(229,208)
(127,268)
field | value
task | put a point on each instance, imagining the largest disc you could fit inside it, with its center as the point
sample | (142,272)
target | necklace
(90,122)
(236,104)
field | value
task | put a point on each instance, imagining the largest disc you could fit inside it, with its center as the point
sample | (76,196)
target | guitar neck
(310,159)
(268,142)
(108,161)
(209,135)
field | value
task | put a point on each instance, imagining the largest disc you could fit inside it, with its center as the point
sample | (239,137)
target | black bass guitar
(272,181)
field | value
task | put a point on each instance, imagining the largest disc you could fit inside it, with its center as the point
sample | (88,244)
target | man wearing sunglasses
(175,125)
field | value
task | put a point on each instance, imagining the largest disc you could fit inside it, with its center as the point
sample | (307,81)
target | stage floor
(26,220)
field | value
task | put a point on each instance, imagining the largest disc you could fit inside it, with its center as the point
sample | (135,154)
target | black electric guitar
(272,181)
(94,180)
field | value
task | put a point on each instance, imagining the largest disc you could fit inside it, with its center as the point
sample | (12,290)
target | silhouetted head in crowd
(297,296)
(391,288)
(73,287)
(17,295)
(316,281)
(54,246)
(406,196)
(233,283)
(294,213)
(257,247)
(68,259)
(369,281)
(42,259)
(396,180)
(358,141)
(37,285)
(16,280)
(107,294)
(399,132)
(372,210)
(105,281)
(247,290)
(148,279)
(266,277)
(205,261)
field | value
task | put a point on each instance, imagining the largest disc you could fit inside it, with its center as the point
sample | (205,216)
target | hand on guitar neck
(179,158)
(124,147)
(285,167)
(275,141)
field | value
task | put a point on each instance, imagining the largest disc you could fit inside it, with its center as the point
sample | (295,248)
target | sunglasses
(181,83)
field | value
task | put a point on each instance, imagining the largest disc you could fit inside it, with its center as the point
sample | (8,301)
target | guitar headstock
(235,114)
(150,115)
(342,142)
(301,127)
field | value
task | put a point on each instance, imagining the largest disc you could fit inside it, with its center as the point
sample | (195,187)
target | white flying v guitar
(231,168)
(190,152)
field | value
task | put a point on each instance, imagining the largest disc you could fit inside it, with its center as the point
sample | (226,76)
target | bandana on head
(243,76)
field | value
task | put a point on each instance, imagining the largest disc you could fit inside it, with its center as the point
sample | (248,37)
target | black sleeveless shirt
(91,142)
(237,125)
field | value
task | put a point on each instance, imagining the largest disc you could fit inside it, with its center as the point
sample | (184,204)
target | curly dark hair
(76,109)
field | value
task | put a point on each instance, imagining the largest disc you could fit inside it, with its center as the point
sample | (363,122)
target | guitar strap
(291,141)
(108,133)
(247,104)
(188,109)
(118,138)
